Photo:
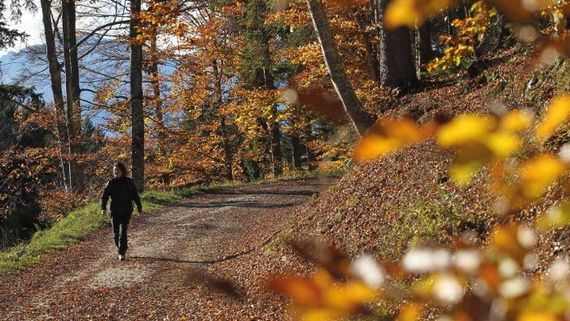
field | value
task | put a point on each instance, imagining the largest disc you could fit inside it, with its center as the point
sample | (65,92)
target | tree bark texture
(352,106)
(424,44)
(72,89)
(397,67)
(136,102)
(55,81)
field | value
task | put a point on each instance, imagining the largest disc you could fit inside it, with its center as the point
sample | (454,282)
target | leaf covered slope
(385,206)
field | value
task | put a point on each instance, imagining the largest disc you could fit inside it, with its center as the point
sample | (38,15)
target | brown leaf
(301,290)
(320,101)
(324,255)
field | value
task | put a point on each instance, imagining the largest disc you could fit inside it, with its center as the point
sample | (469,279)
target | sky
(31,24)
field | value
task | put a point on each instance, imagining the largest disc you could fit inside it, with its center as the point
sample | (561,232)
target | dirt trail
(164,275)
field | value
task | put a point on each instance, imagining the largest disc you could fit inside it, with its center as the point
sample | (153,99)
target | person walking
(122,191)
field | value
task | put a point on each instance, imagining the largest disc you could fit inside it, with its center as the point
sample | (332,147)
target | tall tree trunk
(424,44)
(296,147)
(137,116)
(311,158)
(352,106)
(55,80)
(226,144)
(155,84)
(228,155)
(397,67)
(257,66)
(72,89)
(371,55)
(276,154)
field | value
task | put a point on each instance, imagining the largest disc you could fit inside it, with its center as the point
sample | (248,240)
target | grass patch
(75,227)
(430,223)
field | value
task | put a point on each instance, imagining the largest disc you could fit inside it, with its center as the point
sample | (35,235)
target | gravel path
(165,276)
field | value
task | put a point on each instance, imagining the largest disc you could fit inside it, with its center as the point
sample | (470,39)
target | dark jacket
(123,192)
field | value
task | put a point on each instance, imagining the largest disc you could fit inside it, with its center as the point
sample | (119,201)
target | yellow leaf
(503,144)
(408,13)
(349,296)
(465,128)
(387,136)
(516,121)
(401,13)
(505,238)
(321,314)
(410,312)
(462,173)
(539,173)
(558,113)
(537,316)
(557,216)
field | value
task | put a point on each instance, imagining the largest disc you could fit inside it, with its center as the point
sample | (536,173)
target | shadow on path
(262,192)
(210,261)
(246,204)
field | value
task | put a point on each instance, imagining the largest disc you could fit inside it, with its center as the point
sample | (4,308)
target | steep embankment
(384,206)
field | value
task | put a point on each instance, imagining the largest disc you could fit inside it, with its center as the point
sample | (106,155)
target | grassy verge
(75,227)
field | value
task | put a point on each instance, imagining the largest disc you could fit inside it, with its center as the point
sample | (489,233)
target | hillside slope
(405,199)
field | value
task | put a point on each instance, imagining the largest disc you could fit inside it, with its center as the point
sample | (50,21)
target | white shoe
(121,257)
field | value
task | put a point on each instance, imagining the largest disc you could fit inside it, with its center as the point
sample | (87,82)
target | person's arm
(135,195)
(105,197)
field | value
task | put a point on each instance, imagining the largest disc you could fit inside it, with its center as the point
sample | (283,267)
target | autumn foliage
(239,91)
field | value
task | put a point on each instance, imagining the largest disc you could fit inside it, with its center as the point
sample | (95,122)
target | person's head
(119,169)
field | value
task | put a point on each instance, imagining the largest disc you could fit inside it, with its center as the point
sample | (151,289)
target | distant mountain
(101,62)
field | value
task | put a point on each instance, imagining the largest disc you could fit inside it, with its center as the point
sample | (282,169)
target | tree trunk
(226,144)
(296,147)
(228,155)
(424,44)
(311,158)
(55,80)
(155,84)
(72,90)
(276,155)
(137,116)
(371,54)
(352,106)
(397,67)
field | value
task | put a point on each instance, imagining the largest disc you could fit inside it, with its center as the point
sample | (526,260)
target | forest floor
(203,259)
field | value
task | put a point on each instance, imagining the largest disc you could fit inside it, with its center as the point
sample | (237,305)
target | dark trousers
(120,226)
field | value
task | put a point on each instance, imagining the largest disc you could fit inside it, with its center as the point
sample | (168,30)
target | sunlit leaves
(477,139)
(465,129)
(537,316)
(411,12)
(517,121)
(481,140)
(410,312)
(556,216)
(524,13)
(389,135)
(539,173)
(470,32)
(513,240)
(469,288)
(557,113)
(321,297)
